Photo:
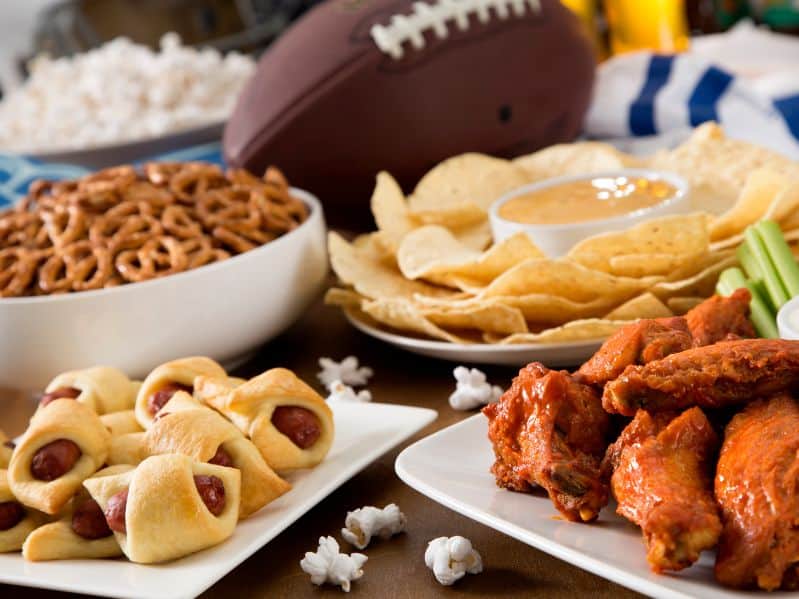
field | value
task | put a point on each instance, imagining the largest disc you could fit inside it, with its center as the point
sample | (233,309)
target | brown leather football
(359,86)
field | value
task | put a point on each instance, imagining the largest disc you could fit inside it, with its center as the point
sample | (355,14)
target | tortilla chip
(371,277)
(390,211)
(680,305)
(434,254)
(700,284)
(404,316)
(645,305)
(672,239)
(564,279)
(758,194)
(717,166)
(694,267)
(580,158)
(477,236)
(537,308)
(495,318)
(460,184)
(454,216)
(647,265)
(346,298)
(591,329)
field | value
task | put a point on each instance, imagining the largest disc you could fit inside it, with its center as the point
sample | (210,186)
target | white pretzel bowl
(223,310)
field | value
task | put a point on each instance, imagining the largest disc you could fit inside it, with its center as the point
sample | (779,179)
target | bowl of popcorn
(129,267)
(122,102)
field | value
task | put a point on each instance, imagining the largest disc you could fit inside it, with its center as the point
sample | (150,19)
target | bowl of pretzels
(130,267)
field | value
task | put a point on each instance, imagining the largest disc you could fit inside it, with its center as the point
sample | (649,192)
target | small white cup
(557,240)
(787,327)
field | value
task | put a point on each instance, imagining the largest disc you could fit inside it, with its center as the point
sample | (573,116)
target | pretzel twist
(118,226)
(17,268)
(158,257)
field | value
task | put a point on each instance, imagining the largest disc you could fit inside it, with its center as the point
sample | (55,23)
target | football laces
(439,17)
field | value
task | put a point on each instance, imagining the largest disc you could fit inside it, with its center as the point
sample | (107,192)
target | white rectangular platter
(364,432)
(452,468)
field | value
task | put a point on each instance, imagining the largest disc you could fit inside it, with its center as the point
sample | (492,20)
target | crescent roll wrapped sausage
(208,389)
(289,423)
(6,449)
(187,427)
(16,521)
(121,423)
(64,445)
(169,506)
(167,379)
(81,533)
(102,388)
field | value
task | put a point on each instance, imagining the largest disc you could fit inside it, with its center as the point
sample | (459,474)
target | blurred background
(63,27)
(754,42)
(29,27)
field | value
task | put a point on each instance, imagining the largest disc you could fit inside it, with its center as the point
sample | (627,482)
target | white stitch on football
(410,28)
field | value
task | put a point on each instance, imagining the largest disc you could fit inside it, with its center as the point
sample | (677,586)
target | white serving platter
(452,468)
(364,431)
(554,355)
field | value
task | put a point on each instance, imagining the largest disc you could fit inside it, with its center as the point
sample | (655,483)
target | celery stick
(761,291)
(761,316)
(748,262)
(771,279)
(780,254)
(730,280)
(763,319)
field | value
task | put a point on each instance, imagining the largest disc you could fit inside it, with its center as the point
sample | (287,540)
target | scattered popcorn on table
(472,389)
(121,92)
(347,371)
(329,565)
(341,392)
(367,522)
(450,558)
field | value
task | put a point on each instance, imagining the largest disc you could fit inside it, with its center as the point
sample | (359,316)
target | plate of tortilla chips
(431,280)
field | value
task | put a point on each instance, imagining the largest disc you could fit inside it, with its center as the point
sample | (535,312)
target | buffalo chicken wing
(550,430)
(724,374)
(756,487)
(716,319)
(719,318)
(637,343)
(662,482)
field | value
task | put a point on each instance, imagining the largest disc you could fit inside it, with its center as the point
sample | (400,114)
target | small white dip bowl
(557,239)
(788,320)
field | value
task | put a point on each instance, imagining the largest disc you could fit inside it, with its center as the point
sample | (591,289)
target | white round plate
(133,151)
(555,355)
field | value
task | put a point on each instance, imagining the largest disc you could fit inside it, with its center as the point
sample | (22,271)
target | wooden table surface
(395,568)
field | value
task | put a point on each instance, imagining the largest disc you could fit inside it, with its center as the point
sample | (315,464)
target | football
(359,86)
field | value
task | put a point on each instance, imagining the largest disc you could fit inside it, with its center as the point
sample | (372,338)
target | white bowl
(223,310)
(557,240)
(786,328)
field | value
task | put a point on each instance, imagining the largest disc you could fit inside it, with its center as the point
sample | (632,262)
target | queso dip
(586,199)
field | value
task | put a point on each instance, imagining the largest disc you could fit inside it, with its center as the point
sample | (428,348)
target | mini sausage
(61,393)
(222,458)
(54,459)
(212,492)
(11,514)
(88,521)
(298,424)
(158,399)
(115,512)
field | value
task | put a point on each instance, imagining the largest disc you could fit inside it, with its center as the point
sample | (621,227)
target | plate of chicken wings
(667,462)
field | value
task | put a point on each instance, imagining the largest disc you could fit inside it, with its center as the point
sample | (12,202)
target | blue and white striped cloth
(18,172)
(647,94)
